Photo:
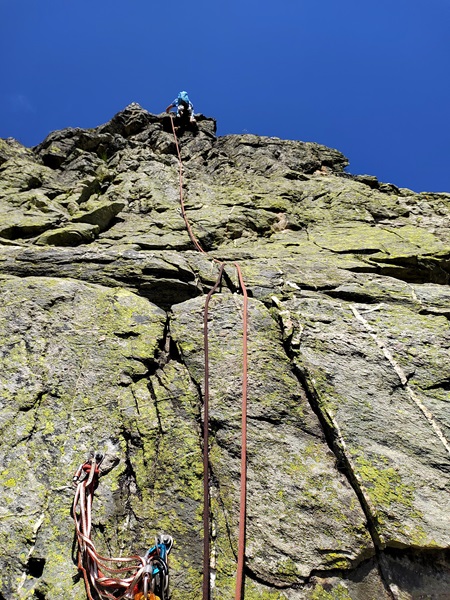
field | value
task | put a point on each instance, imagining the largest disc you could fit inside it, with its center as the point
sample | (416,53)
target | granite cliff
(101,302)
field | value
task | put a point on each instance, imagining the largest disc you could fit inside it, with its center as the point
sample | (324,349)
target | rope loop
(125,578)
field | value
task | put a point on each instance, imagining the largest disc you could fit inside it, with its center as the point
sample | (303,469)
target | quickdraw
(143,578)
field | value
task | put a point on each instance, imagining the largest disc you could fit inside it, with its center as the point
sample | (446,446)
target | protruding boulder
(72,234)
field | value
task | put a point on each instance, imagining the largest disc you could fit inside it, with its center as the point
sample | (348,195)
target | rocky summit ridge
(101,303)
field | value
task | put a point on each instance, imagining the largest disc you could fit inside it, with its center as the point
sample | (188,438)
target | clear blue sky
(368,77)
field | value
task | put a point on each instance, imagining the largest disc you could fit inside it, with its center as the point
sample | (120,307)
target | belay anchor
(125,578)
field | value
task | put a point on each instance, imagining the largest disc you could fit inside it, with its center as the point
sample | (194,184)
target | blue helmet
(184,97)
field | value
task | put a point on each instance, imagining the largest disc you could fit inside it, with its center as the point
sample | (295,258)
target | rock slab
(101,322)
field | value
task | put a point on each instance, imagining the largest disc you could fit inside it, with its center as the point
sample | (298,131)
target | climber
(184,106)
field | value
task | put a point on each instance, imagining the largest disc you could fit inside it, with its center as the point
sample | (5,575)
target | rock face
(101,310)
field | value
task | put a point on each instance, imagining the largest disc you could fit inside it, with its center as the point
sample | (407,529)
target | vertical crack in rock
(162,450)
(326,347)
(128,480)
(332,435)
(280,426)
(153,468)
(34,566)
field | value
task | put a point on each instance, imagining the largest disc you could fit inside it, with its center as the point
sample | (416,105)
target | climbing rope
(146,577)
(142,578)
(243,493)
(206,500)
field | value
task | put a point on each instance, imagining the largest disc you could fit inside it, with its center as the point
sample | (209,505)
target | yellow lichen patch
(383,484)
(340,592)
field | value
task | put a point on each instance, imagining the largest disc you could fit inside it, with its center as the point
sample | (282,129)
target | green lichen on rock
(340,592)
(383,484)
(291,478)
(348,379)
(362,379)
(93,339)
(98,213)
(71,235)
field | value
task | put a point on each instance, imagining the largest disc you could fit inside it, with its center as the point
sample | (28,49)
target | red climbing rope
(90,563)
(243,497)
(143,578)
(206,546)
(180,178)
(243,494)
